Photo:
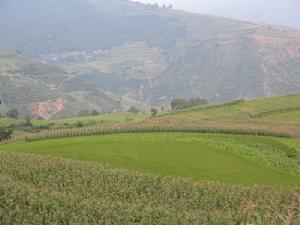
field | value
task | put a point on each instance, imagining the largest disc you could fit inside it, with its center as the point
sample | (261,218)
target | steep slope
(153,54)
(45,91)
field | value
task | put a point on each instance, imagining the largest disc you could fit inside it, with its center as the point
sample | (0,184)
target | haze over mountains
(126,51)
(46,91)
(280,12)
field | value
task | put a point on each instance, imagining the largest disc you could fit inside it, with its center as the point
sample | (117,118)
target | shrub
(197,102)
(153,112)
(79,124)
(133,109)
(27,122)
(94,113)
(179,104)
(13,114)
(5,134)
(83,113)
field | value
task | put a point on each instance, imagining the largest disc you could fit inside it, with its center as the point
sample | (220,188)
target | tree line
(180,104)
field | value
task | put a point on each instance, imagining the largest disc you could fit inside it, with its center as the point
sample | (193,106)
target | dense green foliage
(13,113)
(5,134)
(180,104)
(126,128)
(227,158)
(42,190)
(133,109)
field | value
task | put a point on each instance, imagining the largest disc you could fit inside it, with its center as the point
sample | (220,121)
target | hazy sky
(285,12)
(189,5)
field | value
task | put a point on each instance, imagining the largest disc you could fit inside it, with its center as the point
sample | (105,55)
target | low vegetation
(5,134)
(44,190)
(250,174)
(227,158)
(70,122)
(271,116)
(133,128)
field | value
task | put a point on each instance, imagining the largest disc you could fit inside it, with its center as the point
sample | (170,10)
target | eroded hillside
(45,91)
(151,54)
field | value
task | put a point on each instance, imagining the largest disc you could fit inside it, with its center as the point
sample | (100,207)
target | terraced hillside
(232,179)
(45,91)
(279,114)
(276,116)
(159,177)
(154,54)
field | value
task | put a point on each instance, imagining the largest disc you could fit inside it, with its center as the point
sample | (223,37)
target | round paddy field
(236,159)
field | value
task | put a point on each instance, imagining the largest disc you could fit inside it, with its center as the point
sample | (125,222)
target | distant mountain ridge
(153,54)
(279,12)
(44,91)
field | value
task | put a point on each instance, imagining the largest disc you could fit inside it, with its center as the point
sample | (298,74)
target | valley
(119,112)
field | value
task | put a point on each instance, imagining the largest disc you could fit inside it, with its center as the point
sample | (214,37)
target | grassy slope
(204,157)
(44,190)
(279,114)
(54,190)
(261,113)
(85,120)
(255,110)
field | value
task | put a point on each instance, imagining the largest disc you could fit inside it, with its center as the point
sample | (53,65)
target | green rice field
(234,159)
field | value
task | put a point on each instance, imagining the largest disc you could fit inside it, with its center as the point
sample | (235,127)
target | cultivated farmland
(227,158)
(235,163)
(277,116)
(44,190)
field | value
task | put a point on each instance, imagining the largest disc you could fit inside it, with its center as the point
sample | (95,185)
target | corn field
(98,130)
(44,190)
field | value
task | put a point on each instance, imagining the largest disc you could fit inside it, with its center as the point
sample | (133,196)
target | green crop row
(87,131)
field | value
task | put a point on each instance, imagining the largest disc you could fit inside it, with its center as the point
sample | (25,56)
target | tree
(79,124)
(94,113)
(153,112)
(83,113)
(0,105)
(197,102)
(27,121)
(13,114)
(178,104)
(133,109)
(5,134)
